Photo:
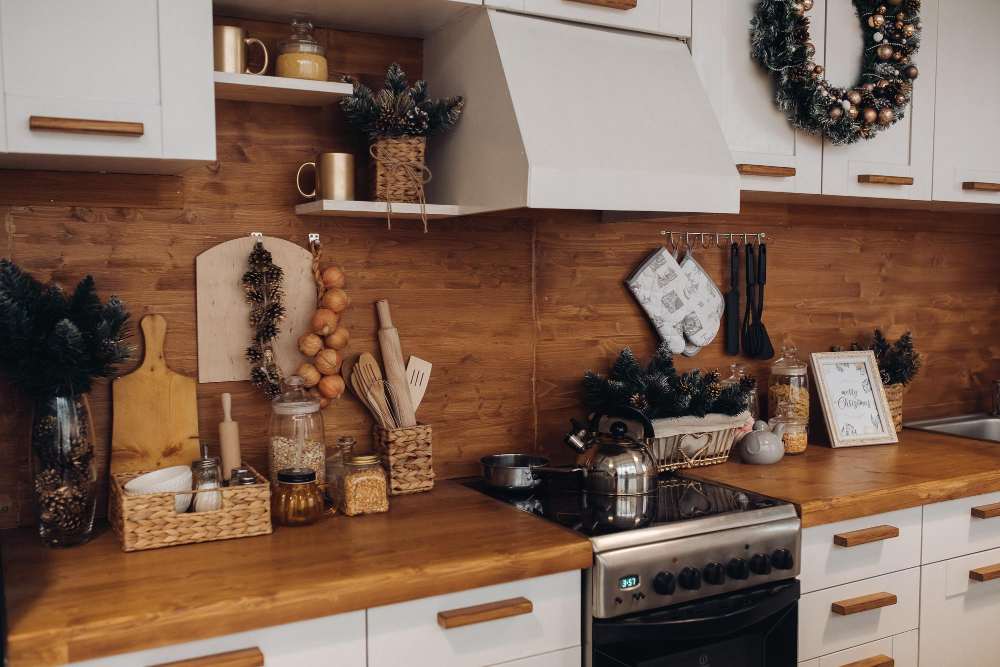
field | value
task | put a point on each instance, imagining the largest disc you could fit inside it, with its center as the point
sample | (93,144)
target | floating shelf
(378,209)
(278,90)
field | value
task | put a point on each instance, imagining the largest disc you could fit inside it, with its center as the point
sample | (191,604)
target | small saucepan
(513,472)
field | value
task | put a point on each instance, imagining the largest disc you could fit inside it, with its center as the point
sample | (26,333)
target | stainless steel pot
(512,472)
(615,464)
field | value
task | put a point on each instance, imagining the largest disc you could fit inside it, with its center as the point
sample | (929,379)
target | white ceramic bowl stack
(175,478)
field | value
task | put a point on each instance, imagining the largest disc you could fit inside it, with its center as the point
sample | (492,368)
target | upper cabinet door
(907,148)
(759,134)
(967,138)
(663,17)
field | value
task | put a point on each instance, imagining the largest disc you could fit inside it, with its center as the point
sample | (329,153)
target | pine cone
(911,6)
(259,256)
(274,313)
(254,355)
(273,273)
(266,332)
(802,31)
(256,315)
(417,121)
(252,279)
(385,124)
(258,377)
(639,402)
(254,296)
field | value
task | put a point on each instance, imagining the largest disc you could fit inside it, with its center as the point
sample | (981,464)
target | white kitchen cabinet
(568,657)
(959,527)
(904,150)
(662,17)
(967,144)
(116,85)
(902,649)
(742,96)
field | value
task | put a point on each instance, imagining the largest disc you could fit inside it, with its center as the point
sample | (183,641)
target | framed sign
(853,399)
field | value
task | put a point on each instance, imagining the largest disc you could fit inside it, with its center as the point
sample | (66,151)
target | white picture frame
(853,398)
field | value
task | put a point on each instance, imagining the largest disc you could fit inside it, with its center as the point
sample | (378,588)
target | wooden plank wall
(511,309)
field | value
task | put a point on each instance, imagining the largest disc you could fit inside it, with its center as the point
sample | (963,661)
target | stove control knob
(782,559)
(738,568)
(715,574)
(689,578)
(665,583)
(760,564)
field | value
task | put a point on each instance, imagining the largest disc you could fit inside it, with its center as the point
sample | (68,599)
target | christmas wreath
(780,43)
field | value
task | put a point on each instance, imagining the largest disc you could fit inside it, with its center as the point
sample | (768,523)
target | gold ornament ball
(810,49)
(836,112)
(870,115)
(852,112)
(897,55)
(882,83)
(876,21)
(899,25)
(904,60)
(881,9)
(886,116)
(807,4)
(854,96)
(900,100)
(884,52)
(911,72)
(909,30)
(868,87)
(799,8)
(818,70)
(900,16)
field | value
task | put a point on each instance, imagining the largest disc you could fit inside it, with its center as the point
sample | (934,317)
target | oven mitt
(705,302)
(690,349)
(658,285)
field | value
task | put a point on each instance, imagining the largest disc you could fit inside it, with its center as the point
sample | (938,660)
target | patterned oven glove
(706,304)
(658,285)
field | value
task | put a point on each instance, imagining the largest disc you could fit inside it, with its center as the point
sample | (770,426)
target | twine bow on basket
(413,171)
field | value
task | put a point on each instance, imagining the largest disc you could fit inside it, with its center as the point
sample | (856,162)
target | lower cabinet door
(897,651)
(568,657)
(959,610)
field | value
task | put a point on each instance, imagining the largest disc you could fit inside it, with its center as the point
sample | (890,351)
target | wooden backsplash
(511,308)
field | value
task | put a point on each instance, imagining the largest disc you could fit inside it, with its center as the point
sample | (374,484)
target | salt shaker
(207,474)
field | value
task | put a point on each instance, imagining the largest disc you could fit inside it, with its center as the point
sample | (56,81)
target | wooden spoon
(370,376)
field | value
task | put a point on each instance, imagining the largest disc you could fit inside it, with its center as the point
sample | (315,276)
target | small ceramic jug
(762,446)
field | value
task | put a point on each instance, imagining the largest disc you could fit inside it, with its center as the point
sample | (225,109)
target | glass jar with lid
(297,499)
(795,435)
(739,373)
(301,56)
(296,432)
(789,382)
(335,461)
(362,486)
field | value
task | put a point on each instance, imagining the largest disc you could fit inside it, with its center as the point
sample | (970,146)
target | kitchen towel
(658,285)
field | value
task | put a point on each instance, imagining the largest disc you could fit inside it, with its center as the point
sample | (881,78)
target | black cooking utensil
(733,305)
(746,335)
(764,341)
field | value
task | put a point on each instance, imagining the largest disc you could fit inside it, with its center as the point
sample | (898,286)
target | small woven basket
(406,457)
(150,521)
(396,169)
(894,394)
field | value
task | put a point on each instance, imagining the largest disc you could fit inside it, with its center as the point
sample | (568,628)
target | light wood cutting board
(155,411)
(224,333)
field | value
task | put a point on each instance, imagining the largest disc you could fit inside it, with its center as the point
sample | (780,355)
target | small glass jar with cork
(301,56)
(789,382)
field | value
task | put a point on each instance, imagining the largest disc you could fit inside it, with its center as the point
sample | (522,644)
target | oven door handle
(712,620)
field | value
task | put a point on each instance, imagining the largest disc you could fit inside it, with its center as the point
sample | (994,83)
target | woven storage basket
(894,394)
(390,179)
(150,521)
(406,457)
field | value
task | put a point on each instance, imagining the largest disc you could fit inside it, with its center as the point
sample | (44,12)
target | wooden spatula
(369,376)
(155,411)
(418,372)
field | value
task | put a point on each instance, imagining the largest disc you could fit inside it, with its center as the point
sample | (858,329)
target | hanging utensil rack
(708,239)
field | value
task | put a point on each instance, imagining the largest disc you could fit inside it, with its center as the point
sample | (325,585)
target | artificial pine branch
(898,362)
(262,283)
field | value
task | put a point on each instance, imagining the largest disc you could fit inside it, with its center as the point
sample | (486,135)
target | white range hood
(567,116)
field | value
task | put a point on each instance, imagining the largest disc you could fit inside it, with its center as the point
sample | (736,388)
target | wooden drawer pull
(874,661)
(765,170)
(117,128)
(613,4)
(988,573)
(983,187)
(865,535)
(986,511)
(885,180)
(247,657)
(863,603)
(481,613)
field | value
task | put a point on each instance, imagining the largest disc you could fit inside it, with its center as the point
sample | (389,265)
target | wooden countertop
(829,485)
(94,601)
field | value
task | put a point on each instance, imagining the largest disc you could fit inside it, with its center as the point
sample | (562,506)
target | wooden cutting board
(155,411)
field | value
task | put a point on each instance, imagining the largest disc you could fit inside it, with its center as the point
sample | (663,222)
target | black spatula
(750,347)
(763,340)
(733,305)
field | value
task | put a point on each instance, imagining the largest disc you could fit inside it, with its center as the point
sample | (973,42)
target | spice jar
(738,374)
(297,500)
(206,474)
(335,461)
(789,381)
(296,433)
(301,56)
(795,437)
(362,487)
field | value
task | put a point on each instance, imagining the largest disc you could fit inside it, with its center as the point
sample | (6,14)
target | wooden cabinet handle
(874,661)
(987,573)
(983,187)
(885,180)
(456,618)
(765,170)
(865,535)
(117,128)
(247,657)
(613,4)
(863,603)
(986,511)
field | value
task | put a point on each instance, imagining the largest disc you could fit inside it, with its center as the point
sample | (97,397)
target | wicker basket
(150,521)
(396,169)
(406,457)
(687,442)
(894,394)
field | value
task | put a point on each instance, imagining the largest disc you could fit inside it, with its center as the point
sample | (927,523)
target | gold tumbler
(334,177)
(230,46)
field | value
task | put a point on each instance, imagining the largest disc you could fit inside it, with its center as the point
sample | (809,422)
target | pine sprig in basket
(898,362)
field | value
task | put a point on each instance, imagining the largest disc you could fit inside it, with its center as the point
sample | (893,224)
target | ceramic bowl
(175,478)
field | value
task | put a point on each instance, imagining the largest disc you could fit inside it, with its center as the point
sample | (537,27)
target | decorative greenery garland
(263,287)
(780,43)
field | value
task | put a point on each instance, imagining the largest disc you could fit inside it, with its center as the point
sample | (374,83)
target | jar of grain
(296,433)
(301,56)
(795,436)
(789,382)
(362,487)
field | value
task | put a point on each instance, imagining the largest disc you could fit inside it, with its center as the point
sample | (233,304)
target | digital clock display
(631,581)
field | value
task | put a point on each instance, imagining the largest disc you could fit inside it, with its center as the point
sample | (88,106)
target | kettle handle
(624,412)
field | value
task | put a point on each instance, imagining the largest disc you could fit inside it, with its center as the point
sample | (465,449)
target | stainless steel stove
(697,574)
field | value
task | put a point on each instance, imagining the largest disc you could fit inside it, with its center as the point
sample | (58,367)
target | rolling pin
(395,371)
(229,439)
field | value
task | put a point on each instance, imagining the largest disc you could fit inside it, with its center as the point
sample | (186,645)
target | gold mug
(334,177)
(230,49)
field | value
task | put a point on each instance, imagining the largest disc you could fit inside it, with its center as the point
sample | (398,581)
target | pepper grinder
(229,439)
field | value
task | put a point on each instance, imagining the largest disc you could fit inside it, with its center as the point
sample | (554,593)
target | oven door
(756,627)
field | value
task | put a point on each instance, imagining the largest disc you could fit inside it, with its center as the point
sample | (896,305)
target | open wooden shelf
(377,209)
(278,90)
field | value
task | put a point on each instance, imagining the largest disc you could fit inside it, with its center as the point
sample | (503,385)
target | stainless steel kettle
(615,464)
